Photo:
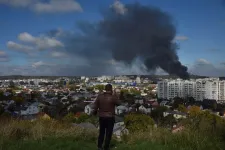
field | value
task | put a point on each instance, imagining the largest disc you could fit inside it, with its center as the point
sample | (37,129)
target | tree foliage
(205,122)
(157,114)
(138,122)
(168,121)
(194,111)
(100,87)
(70,117)
(18,100)
(124,91)
(177,101)
(135,91)
(182,108)
(82,118)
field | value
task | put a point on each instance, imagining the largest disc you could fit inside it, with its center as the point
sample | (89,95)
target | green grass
(73,144)
(55,135)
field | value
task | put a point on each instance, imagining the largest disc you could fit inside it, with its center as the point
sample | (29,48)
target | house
(139,101)
(145,109)
(44,116)
(65,100)
(121,110)
(132,108)
(71,106)
(119,129)
(32,109)
(89,108)
(75,97)
(154,104)
(176,114)
(166,104)
(176,129)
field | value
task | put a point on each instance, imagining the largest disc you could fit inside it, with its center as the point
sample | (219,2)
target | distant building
(138,80)
(209,88)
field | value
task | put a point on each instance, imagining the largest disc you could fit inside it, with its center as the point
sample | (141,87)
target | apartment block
(209,88)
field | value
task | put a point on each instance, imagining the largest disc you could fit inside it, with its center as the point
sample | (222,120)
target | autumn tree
(194,111)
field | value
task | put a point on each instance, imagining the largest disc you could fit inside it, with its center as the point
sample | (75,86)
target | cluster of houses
(51,94)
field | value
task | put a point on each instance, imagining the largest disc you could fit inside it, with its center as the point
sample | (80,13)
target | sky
(35,34)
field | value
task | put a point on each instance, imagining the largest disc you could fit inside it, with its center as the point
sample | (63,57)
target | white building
(89,109)
(32,109)
(162,89)
(209,88)
(138,80)
(169,89)
(104,78)
(222,90)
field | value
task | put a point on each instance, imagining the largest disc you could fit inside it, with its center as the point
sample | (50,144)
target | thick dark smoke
(142,32)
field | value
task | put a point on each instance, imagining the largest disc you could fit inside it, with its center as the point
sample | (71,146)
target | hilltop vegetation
(202,130)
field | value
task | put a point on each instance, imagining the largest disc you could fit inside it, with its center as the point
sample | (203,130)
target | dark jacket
(105,104)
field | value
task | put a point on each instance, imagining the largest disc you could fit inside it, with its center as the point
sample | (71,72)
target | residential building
(168,89)
(200,89)
(222,90)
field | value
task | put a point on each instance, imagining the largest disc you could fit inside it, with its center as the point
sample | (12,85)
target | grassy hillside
(55,135)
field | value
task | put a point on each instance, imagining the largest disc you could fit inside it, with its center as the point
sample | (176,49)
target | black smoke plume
(142,32)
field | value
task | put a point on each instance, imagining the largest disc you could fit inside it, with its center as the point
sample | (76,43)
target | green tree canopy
(177,101)
(138,122)
(168,121)
(157,114)
(135,91)
(100,87)
(182,108)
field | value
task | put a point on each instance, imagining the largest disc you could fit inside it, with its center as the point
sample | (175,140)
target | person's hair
(108,87)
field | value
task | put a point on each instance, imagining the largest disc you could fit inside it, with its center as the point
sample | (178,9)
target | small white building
(32,109)
(139,101)
(176,114)
(119,129)
(121,110)
(64,100)
(145,109)
(89,109)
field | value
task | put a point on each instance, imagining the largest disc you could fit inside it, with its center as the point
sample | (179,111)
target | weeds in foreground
(52,134)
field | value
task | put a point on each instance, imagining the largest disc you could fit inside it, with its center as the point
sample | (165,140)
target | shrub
(82,118)
(138,122)
(70,117)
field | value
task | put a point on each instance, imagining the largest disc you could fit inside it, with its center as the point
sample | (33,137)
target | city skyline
(34,32)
